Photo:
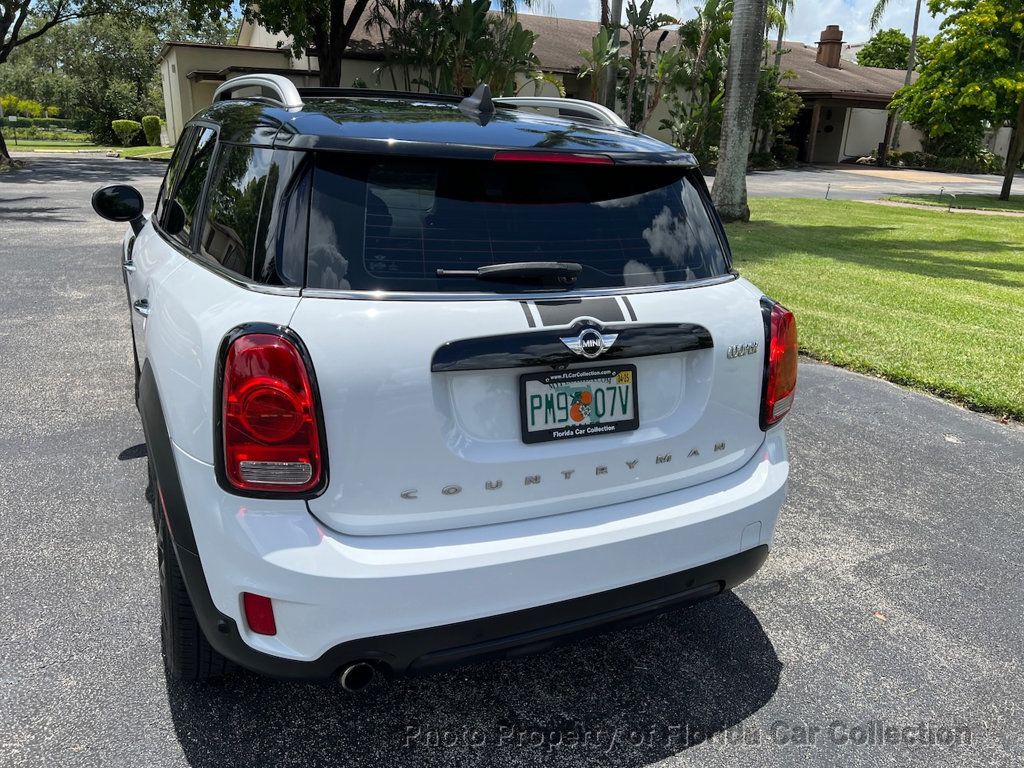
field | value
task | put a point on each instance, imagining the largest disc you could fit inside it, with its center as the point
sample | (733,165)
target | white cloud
(807,18)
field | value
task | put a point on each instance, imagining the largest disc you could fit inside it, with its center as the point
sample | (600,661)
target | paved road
(894,593)
(858,182)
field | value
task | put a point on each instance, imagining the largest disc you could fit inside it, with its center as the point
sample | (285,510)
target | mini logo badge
(590,343)
(739,350)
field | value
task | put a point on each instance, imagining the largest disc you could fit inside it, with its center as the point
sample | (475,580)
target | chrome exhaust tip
(356,676)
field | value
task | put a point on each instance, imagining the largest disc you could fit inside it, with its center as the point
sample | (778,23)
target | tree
(321,28)
(449,47)
(890,49)
(746,40)
(776,106)
(892,136)
(976,77)
(641,22)
(601,58)
(695,108)
(22,21)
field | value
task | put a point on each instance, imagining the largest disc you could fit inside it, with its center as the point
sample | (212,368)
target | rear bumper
(416,602)
(504,636)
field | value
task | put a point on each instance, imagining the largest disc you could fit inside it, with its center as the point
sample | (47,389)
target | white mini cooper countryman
(425,381)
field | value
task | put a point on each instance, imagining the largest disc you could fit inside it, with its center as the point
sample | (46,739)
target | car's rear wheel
(187,653)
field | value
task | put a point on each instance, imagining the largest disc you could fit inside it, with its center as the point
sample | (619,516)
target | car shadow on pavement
(627,698)
(95,169)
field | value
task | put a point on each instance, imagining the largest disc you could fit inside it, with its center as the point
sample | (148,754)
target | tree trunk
(604,13)
(611,76)
(5,156)
(730,190)
(1014,153)
(778,42)
(911,62)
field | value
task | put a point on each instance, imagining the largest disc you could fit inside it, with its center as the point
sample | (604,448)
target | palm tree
(730,189)
(892,136)
(785,6)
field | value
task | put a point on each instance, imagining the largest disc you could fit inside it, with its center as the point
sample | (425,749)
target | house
(844,104)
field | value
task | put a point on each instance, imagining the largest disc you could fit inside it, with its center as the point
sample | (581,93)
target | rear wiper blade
(562,273)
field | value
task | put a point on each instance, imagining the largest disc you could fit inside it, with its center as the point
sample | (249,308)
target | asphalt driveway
(886,628)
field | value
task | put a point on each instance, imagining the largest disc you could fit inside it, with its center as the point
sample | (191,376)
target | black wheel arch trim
(161,457)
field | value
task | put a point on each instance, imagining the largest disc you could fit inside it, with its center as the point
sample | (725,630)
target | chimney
(830,47)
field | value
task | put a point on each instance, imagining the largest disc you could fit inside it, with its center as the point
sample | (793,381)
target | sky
(807,20)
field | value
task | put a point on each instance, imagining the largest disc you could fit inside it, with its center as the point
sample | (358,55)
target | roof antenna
(479,104)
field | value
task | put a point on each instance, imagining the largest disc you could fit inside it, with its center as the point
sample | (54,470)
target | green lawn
(72,146)
(979,202)
(151,152)
(33,144)
(918,297)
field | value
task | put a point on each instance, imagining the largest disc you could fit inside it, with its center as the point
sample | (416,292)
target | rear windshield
(390,223)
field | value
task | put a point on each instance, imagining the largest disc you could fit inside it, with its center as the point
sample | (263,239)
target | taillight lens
(270,433)
(780,387)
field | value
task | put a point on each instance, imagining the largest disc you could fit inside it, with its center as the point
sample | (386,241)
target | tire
(187,653)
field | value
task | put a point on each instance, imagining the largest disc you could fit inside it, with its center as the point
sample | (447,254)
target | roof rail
(566,108)
(274,88)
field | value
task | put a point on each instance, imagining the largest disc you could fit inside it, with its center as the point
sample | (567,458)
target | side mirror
(119,202)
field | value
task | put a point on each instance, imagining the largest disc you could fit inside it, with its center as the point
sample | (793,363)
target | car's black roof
(422,124)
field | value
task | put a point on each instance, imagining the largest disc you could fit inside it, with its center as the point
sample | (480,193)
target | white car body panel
(395,427)
(191,312)
(329,587)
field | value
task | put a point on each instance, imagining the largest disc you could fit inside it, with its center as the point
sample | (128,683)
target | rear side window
(182,201)
(232,229)
(391,223)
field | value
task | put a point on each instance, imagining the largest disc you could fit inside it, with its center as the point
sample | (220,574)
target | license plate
(578,403)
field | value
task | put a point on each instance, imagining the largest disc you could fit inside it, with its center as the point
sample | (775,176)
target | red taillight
(579,158)
(259,614)
(780,387)
(271,439)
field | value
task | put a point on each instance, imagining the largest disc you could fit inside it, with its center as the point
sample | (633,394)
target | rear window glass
(391,223)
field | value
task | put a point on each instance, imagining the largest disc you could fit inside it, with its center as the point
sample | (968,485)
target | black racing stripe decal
(529,315)
(629,308)
(564,311)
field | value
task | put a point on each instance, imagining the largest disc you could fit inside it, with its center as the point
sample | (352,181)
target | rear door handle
(142,307)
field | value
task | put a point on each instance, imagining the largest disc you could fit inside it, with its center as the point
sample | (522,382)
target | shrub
(151,127)
(708,159)
(126,130)
(45,122)
(983,161)
(761,161)
(785,154)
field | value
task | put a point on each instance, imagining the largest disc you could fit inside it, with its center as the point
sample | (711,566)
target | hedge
(126,130)
(151,127)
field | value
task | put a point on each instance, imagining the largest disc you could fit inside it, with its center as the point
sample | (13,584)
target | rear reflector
(780,386)
(269,425)
(259,614)
(578,158)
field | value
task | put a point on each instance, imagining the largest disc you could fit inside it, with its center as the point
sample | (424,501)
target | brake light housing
(780,366)
(269,430)
(545,156)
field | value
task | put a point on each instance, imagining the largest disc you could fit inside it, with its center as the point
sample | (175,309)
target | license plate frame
(569,430)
